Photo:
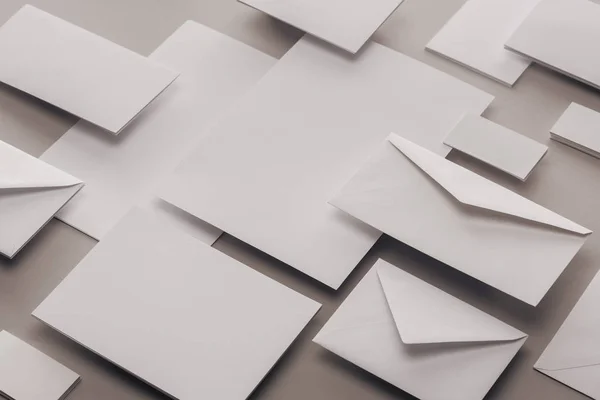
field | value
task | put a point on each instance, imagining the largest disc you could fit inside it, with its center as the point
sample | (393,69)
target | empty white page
(579,127)
(78,71)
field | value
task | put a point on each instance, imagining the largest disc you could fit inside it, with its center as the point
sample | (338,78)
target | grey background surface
(566,181)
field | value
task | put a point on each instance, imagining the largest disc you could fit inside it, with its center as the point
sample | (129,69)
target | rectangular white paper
(579,127)
(462,219)
(573,356)
(28,374)
(419,338)
(31,193)
(474,37)
(178,314)
(562,35)
(78,71)
(267,169)
(123,171)
(496,145)
(347,24)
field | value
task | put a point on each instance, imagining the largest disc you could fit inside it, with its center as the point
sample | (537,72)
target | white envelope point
(471,189)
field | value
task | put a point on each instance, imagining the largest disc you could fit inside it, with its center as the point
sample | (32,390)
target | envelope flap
(19,170)
(424,314)
(474,190)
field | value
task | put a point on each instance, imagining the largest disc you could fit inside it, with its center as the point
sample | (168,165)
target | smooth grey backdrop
(565,181)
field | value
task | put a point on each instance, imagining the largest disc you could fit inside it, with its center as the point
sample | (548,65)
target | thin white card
(31,193)
(496,145)
(123,171)
(579,127)
(178,314)
(78,71)
(462,219)
(474,37)
(347,24)
(28,374)
(573,356)
(267,169)
(562,35)
(419,338)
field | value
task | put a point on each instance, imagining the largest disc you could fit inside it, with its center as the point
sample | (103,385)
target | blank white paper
(123,171)
(268,167)
(78,71)
(28,374)
(178,314)
(579,127)
(475,37)
(561,34)
(347,24)
(496,145)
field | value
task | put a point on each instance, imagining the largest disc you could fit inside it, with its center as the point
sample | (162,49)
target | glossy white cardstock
(123,171)
(31,193)
(496,145)
(267,169)
(419,338)
(474,37)
(462,219)
(573,356)
(560,34)
(28,374)
(178,314)
(78,71)
(347,24)
(579,127)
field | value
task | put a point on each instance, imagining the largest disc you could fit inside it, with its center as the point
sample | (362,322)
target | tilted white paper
(178,314)
(347,24)
(267,169)
(475,37)
(123,171)
(560,34)
(419,338)
(579,127)
(78,71)
(496,145)
(28,374)
(573,356)
(462,219)
(31,193)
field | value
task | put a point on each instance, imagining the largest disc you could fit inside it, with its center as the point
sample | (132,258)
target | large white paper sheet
(347,24)
(267,169)
(78,71)
(475,37)
(123,171)
(579,127)
(496,145)
(181,316)
(561,34)
(573,356)
(419,338)
(462,219)
(31,193)
(28,374)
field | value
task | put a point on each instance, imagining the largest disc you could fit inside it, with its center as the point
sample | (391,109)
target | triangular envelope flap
(19,170)
(424,314)
(474,190)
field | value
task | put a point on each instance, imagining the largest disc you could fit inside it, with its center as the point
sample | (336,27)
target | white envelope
(419,338)
(462,219)
(579,127)
(31,192)
(347,24)
(180,315)
(121,172)
(573,356)
(28,374)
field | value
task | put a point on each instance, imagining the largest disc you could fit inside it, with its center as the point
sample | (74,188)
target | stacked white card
(579,127)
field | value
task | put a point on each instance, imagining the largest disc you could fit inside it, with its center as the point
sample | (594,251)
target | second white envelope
(462,219)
